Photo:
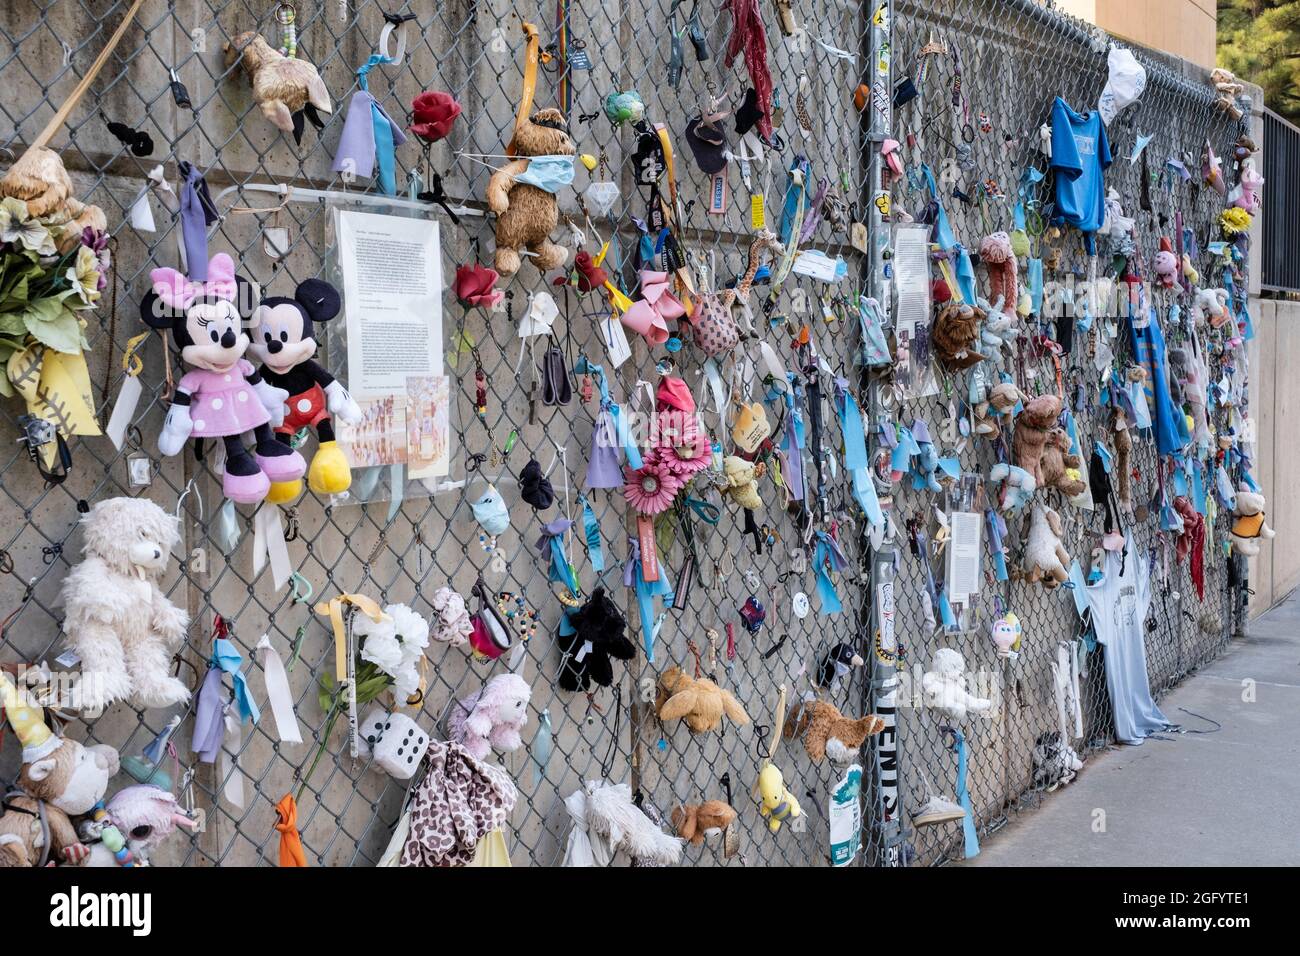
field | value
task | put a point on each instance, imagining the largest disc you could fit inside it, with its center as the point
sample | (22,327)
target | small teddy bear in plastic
(1018,486)
(492,717)
(944,686)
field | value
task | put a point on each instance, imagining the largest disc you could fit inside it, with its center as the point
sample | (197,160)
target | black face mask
(748,115)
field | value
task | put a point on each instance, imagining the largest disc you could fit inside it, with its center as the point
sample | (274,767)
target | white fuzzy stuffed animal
(119,621)
(1210,307)
(1045,556)
(606,822)
(1248,524)
(492,717)
(945,686)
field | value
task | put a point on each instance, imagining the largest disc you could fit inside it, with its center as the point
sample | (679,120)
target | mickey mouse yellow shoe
(284,491)
(330,473)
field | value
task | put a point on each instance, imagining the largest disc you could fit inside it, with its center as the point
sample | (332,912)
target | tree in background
(1259,40)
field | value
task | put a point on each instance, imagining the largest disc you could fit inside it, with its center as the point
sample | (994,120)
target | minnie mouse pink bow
(649,314)
(178,292)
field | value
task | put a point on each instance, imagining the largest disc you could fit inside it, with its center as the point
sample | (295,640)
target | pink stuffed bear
(492,717)
(1166,264)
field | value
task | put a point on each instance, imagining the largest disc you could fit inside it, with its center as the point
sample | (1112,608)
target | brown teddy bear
(1057,462)
(826,731)
(695,821)
(526,214)
(997,408)
(1035,420)
(59,779)
(698,701)
(954,336)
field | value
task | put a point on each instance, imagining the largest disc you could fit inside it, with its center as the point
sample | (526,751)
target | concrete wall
(1183,28)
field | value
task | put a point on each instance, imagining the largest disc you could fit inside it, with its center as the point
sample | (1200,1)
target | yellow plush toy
(742,481)
(775,802)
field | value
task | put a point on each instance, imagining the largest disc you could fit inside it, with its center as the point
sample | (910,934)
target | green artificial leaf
(325,696)
(51,323)
(12,324)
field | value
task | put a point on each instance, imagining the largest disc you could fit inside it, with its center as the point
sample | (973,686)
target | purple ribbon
(209,718)
(197,213)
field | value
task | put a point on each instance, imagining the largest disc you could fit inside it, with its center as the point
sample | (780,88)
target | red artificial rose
(434,113)
(476,285)
(590,275)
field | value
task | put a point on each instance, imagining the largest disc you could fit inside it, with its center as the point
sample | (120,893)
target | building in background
(1184,28)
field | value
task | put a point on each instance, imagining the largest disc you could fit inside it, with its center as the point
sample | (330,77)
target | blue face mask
(548,173)
(490,512)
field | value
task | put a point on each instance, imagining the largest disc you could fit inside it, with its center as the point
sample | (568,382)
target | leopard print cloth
(460,801)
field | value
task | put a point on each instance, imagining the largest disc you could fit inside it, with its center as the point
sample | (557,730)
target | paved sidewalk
(1219,799)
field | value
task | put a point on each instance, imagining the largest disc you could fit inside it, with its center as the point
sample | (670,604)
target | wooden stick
(70,103)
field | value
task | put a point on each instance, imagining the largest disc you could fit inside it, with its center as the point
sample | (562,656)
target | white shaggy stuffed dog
(118,620)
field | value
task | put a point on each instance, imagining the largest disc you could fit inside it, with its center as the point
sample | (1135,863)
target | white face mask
(601,196)
(1127,80)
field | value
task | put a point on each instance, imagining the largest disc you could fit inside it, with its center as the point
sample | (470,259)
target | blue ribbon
(646,592)
(385,142)
(794,193)
(226,657)
(941,234)
(828,557)
(856,462)
(963,797)
(966,277)
(552,542)
(397,479)
(1035,278)
(591,527)
(997,527)
(906,449)
(1198,489)
(792,442)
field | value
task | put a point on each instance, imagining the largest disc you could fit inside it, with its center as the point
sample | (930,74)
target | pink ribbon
(649,314)
(178,292)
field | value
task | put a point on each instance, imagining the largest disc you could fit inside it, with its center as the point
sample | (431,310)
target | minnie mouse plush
(285,343)
(222,396)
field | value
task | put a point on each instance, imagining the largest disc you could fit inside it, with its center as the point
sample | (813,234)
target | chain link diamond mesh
(1013,55)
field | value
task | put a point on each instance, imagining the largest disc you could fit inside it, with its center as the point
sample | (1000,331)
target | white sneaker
(937,810)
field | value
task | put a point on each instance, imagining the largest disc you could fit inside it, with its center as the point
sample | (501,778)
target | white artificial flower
(413,632)
(411,627)
(379,643)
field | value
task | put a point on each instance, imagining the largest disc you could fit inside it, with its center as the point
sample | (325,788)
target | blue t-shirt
(1080,152)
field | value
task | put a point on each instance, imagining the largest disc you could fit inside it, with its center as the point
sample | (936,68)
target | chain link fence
(1013,57)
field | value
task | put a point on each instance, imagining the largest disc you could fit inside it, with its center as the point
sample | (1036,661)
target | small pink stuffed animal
(1246,195)
(492,717)
(1166,264)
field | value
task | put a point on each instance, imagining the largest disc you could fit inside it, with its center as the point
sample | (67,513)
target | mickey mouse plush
(222,396)
(285,343)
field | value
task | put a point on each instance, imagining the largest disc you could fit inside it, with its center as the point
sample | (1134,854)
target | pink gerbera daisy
(683,443)
(651,488)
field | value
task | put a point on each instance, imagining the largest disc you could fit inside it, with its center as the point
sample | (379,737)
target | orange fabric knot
(291,851)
